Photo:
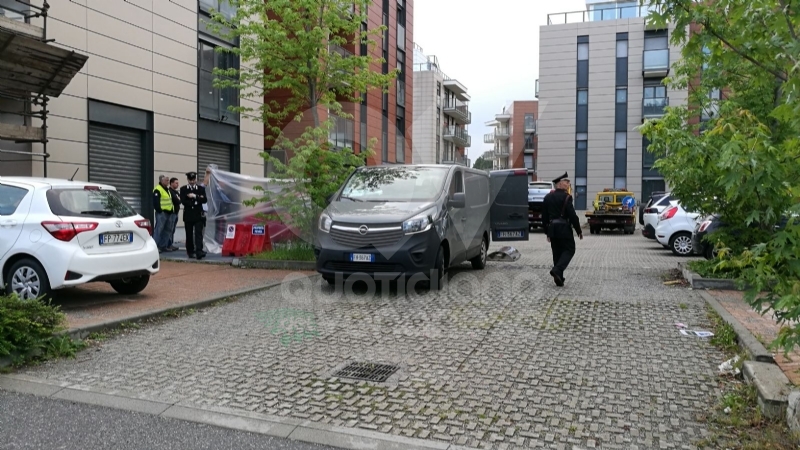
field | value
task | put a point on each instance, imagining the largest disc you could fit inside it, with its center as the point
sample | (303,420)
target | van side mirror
(459,200)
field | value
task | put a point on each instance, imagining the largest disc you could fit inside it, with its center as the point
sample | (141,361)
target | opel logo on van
(363,229)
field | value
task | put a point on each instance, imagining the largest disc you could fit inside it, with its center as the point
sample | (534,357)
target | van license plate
(116,238)
(362,257)
(509,234)
(610,221)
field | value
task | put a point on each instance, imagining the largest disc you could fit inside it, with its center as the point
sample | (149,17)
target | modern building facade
(514,138)
(601,75)
(441,114)
(144,103)
(386,117)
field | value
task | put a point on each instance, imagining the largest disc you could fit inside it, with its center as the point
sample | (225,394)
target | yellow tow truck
(613,209)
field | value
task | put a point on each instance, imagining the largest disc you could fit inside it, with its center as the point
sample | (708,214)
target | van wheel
(479,262)
(438,271)
(130,286)
(28,280)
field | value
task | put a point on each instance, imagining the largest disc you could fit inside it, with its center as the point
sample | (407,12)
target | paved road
(29,422)
(502,358)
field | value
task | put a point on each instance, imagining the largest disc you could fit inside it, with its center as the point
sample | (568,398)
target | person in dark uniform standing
(193,197)
(559,219)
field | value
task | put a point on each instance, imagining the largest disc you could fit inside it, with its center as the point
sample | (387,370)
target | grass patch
(707,269)
(291,252)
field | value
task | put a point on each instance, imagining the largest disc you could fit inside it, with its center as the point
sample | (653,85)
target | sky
(492,48)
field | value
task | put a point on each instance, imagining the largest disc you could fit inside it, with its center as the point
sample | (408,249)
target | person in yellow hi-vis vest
(162,203)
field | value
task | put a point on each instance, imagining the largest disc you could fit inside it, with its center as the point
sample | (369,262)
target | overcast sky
(492,48)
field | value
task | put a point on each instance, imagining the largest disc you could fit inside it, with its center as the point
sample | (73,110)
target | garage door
(115,158)
(212,153)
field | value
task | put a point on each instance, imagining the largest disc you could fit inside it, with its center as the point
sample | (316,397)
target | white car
(56,234)
(650,216)
(674,229)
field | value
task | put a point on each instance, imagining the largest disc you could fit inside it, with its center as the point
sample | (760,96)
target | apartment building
(441,114)
(144,103)
(514,136)
(601,75)
(384,116)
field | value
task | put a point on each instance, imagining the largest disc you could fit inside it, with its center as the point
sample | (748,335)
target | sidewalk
(764,328)
(177,284)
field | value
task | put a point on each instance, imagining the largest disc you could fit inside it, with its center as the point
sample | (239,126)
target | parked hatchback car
(650,213)
(56,234)
(674,229)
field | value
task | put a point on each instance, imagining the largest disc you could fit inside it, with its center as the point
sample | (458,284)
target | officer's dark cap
(562,177)
(191,175)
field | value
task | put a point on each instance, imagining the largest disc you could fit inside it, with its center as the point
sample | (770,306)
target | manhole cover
(377,373)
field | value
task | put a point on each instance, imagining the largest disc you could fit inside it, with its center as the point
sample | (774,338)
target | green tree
(294,48)
(482,164)
(743,163)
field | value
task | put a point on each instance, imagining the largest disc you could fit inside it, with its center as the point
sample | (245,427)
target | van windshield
(395,184)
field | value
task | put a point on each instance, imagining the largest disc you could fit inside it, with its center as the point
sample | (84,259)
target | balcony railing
(488,138)
(501,152)
(598,14)
(656,62)
(459,111)
(502,132)
(334,48)
(457,135)
(654,107)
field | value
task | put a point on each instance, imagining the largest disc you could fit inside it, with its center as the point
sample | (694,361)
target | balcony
(458,136)
(653,108)
(343,52)
(458,111)
(655,63)
(501,152)
(502,132)
(456,88)
(488,138)
(502,117)
(536,92)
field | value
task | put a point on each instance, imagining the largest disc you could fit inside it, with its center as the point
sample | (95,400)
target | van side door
(457,237)
(509,210)
(478,205)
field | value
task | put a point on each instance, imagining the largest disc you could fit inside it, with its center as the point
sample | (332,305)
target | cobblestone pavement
(502,358)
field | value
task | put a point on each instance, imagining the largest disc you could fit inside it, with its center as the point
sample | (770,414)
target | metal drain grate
(367,371)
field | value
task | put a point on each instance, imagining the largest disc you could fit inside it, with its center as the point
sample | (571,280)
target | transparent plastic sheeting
(226,193)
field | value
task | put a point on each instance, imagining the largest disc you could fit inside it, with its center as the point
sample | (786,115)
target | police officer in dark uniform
(559,219)
(193,197)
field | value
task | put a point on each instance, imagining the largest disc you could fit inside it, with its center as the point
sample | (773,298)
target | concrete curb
(252,263)
(282,427)
(772,385)
(82,332)
(747,342)
(698,282)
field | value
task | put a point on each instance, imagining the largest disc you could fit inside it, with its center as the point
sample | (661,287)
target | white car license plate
(362,257)
(116,238)
(509,234)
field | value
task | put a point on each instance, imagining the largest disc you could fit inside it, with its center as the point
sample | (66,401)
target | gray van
(405,220)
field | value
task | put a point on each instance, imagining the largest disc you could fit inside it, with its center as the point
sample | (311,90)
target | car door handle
(8,223)
(463,219)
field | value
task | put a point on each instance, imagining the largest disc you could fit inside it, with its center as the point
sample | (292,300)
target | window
(438,152)
(621,139)
(583,97)
(88,203)
(530,122)
(400,148)
(581,159)
(622,49)
(655,92)
(214,102)
(715,94)
(438,89)
(364,39)
(10,198)
(620,182)
(648,158)
(656,43)
(583,52)
(457,185)
(269,166)
(622,95)
(529,164)
(222,6)
(342,133)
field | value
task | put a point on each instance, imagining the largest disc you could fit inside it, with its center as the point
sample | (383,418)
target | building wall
(425,111)
(558,99)
(519,109)
(143,54)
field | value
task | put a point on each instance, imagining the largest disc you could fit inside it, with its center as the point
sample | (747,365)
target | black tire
(33,279)
(681,244)
(438,271)
(130,286)
(629,230)
(479,262)
(711,252)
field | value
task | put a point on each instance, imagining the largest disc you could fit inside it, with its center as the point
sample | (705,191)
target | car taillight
(670,213)
(146,225)
(703,226)
(65,231)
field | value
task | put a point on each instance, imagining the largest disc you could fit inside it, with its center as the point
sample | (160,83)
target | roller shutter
(212,153)
(115,158)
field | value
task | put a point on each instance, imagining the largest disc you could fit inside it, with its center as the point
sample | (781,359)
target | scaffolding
(31,72)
